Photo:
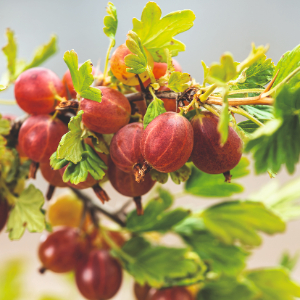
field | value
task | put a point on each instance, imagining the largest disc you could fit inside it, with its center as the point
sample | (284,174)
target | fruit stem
(54,115)
(242,112)
(8,102)
(51,189)
(139,206)
(33,169)
(211,109)
(100,193)
(204,96)
(150,73)
(244,91)
(111,45)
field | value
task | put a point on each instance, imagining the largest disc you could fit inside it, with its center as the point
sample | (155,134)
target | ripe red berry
(125,147)
(4,210)
(52,176)
(59,251)
(167,142)
(98,276)
(141,292)
(118,66)
(35,90)
(208,155)
(125,183)
(39,137)
(67,80)
(174,293)
(108,116)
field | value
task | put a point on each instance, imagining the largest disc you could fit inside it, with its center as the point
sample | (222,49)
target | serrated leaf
(222,72)
(4,126)
(274,284)
(10,51)
(287,64)
(181,175)
(111,22)
(240,221)
(228,288)
(157,33)
(57,163)
(160,266)
(136,62)
(82,78)
(277,143)
(26,213)
(155,108)
(71,145)
(90,163)
(155,217)
(179,82)
(221,258)
(249,126)
(42,53)
(208,185)
(158,176)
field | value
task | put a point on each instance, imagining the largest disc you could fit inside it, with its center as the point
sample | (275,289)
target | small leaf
(274,284)
(260,111)
(179,82)
(4,126)
(157,33)
(158,176)
(26,213)
(155,108)
(10,51)
(208,185)
(136,62)
(240,221)
(111,22)
(181,175)
(249,126)
(82,78)
(160,266)
(288,261)
(42,53)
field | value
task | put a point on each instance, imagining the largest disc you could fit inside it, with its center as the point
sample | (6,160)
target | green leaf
(155,108)
(221,258)
(26,213)
(249,126)
(181,175)
(157,33)
(155,217)
(111,22)
(158,176)
(179,82)
(4,126)
(257,75)
(240,221)
(57,163)
(222,72)
(274,284)
(288,261)
(277,142)
(287,64)
(82,78)
(283,201)
(208,185)
(10,51)
(161,266)
(227,288)
(136,62)
(90,163)
(11,285)
(71,145)
(264,112)
(42,53)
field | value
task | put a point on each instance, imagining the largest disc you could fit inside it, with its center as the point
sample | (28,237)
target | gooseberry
(174,293)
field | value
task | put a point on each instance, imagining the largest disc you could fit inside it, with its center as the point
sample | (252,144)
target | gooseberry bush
(140,123)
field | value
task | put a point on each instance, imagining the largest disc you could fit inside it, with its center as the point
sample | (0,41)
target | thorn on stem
(33,169)
(51,189)
(139,206)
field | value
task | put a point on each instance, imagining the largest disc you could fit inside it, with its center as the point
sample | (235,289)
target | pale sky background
(219,26)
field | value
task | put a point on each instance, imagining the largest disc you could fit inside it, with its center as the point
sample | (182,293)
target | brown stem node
(140,171)
(33,169)
(227,176)
(139,206)
(100,193)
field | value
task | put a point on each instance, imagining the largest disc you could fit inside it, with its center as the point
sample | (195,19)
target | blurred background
(219,26)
